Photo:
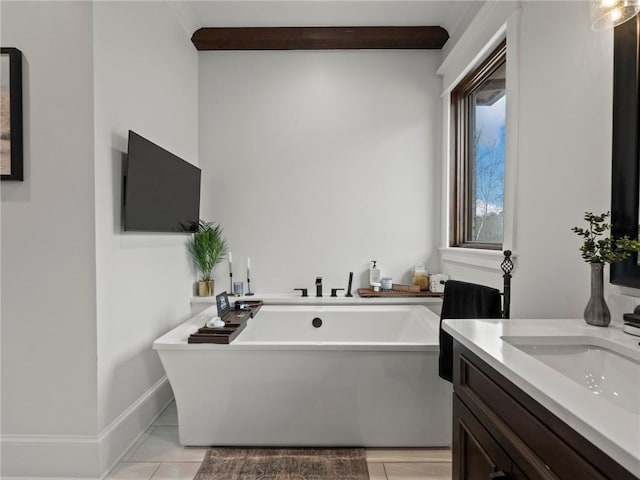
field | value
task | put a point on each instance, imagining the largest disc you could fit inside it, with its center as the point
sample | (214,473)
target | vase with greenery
(599,248)
(207,247)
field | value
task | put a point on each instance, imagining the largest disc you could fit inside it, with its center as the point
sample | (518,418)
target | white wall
(563,166)
(82,301)
(146,80)
(316,162)
(48,248)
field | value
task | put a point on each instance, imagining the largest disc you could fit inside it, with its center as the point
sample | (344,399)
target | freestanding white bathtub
(367,377)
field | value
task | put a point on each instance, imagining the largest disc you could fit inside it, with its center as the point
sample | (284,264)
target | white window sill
(488,259)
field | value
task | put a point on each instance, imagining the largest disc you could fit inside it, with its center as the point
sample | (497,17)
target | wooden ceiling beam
(319,38)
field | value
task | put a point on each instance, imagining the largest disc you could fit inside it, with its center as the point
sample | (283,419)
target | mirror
(625,173)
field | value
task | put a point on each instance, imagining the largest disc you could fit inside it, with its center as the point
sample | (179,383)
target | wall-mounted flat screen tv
(161,190)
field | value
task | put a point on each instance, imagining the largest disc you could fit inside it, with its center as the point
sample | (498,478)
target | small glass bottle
(420,276)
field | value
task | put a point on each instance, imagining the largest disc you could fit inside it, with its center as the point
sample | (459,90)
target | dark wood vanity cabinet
(476,453)
(499,432)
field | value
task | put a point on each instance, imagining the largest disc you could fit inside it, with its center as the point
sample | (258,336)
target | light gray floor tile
(376,471)
(169,417)
(386,455)
(137,444)
(162,445)
(418,471)
(133,471)
(177,471)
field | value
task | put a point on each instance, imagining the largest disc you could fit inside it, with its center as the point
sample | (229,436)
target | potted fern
(597,251)
(207,247)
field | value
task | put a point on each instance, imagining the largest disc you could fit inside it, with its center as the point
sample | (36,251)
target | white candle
(230,258)
(248,263)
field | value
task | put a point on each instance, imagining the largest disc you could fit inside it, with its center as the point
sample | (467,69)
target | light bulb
(615,14)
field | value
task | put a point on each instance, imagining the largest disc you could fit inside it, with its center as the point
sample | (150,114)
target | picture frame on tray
(222,302)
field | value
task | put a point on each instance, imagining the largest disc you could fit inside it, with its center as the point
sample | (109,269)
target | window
(478,105)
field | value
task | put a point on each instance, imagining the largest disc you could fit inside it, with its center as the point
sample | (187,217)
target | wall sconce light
(611,13)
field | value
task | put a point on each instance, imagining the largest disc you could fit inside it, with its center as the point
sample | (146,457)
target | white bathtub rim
(350,307)
(295,299)
(304,346)
(176,339)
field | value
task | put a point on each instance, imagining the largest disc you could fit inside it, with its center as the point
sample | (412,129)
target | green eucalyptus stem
(607,249)
(207,247)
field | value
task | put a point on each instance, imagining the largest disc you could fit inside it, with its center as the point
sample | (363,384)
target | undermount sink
(605,368)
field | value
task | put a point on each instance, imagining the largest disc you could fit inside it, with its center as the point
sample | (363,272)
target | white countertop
(613,429)
(297,299)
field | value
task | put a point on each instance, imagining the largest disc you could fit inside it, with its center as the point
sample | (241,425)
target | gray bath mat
(284,464)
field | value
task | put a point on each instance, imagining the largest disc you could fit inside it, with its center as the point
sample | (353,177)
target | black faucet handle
(334,291)
(305,292)
(318,280)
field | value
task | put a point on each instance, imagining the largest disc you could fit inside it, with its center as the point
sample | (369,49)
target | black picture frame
(11,156)
(222,302)
(625,165)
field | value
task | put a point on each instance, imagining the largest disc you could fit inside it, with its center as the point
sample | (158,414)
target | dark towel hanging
(464,300)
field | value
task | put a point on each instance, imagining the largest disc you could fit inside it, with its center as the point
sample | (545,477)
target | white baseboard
(124,431)
(82,457)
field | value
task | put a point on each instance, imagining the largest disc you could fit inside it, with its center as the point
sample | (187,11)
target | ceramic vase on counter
(205,288)
(597,312)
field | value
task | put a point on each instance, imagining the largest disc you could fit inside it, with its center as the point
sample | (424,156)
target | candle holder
(248,294)
(230,280)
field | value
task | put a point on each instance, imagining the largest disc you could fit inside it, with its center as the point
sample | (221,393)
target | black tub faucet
(348,294)
(318,286)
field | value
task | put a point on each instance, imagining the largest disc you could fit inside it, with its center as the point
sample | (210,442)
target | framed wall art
(11,164)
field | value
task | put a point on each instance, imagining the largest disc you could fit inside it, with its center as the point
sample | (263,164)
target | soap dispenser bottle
(374,273)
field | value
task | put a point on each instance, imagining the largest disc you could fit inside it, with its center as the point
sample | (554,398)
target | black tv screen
(161,191)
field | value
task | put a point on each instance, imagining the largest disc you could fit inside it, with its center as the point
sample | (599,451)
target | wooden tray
(216,335)
(234,323)
(397,287)
(368,293)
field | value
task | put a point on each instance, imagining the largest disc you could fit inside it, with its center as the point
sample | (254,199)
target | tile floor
(158,455)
